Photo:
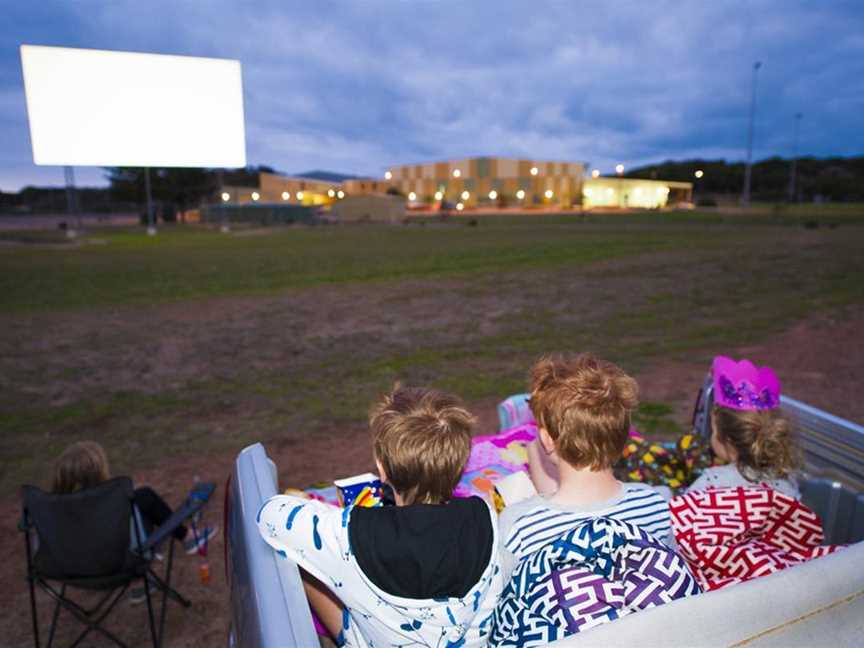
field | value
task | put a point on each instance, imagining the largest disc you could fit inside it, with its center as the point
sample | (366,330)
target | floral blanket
(599,571)
(730,535)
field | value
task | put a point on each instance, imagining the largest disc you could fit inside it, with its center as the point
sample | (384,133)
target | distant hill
(835,179)
(325,176)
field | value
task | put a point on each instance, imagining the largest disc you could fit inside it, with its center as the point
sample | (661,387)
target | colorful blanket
(730,535)
(599,571)
(494,457)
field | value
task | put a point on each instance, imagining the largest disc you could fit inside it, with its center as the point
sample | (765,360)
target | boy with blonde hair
(423,572)
(582,406)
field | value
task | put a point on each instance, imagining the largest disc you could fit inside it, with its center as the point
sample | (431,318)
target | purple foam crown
(743,386)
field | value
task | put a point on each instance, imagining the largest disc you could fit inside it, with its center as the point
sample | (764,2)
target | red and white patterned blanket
(730,535)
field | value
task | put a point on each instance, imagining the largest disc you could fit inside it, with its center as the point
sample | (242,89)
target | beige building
(629,193)
(274,188)
(490,182)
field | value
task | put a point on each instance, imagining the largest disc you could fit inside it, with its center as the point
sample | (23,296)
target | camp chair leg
(156,640)
(30,577)
(55,616)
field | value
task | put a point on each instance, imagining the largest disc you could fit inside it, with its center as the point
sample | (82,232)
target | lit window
(465,195)
(520,194)
(493,195)
(456,173)
(286,195)
(459,206)
(255,195)
(534,171)
(226,196)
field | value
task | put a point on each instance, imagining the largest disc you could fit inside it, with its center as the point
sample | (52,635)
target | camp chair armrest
(197,499)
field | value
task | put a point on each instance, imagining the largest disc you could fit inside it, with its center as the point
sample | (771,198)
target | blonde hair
(82,465)
(422,439)
(584,403)
(762,439)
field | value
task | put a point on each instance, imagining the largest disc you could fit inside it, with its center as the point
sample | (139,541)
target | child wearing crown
(748,431)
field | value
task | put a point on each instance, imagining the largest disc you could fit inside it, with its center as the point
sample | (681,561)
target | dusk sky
(355,86)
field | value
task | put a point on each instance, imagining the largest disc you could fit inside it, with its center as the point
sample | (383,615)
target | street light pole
(794,159)
(745,196)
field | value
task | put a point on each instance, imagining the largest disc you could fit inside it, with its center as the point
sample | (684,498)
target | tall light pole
(745,195)
(794,158)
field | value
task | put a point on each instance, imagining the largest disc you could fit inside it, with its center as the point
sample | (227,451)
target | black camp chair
(84,542)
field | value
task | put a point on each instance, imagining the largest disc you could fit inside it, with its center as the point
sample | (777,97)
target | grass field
(196,341)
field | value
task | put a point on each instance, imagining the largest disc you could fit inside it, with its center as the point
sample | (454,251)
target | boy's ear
(546,441)
(381,474)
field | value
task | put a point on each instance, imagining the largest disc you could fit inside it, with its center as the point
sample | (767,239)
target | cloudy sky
(353,86)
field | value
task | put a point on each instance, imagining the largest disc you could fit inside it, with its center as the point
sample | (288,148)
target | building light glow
(459,206)
(520,194)
(299,195)
(699,173)
(493,195)
(331,193)
(255,195)
(412,196)
(534,171)
(286,195)
(340,194)
(456,173)
(465,195)
(595,173)
(388,175)
(548,194)
(226,196)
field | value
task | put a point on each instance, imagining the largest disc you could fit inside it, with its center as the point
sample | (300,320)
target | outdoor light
(465,195)
(331,193)
(619,169)
(286,195)
(493,195)
(412,196)
(299,195)
(255,195)
(699,173)
(226,196)
(534,170)
(520,194)
(595,173)
(340,194)
(456,173)
(459,206)
(548,193)
(388,175)
(439,195)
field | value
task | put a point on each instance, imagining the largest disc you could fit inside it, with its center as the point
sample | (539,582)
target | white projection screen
(101,108)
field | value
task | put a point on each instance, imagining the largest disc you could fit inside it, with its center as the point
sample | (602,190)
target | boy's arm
(311,533)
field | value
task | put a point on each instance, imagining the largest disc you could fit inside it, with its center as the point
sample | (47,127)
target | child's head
(421,440)
(583,404)
(82,465)
(746,424)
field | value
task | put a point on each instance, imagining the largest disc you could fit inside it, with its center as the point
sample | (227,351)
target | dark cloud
(357,86)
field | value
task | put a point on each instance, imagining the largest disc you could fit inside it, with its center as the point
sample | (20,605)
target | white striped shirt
(527,526)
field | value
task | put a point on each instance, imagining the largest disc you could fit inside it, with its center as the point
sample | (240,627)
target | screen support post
(72,200)
(151,227)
